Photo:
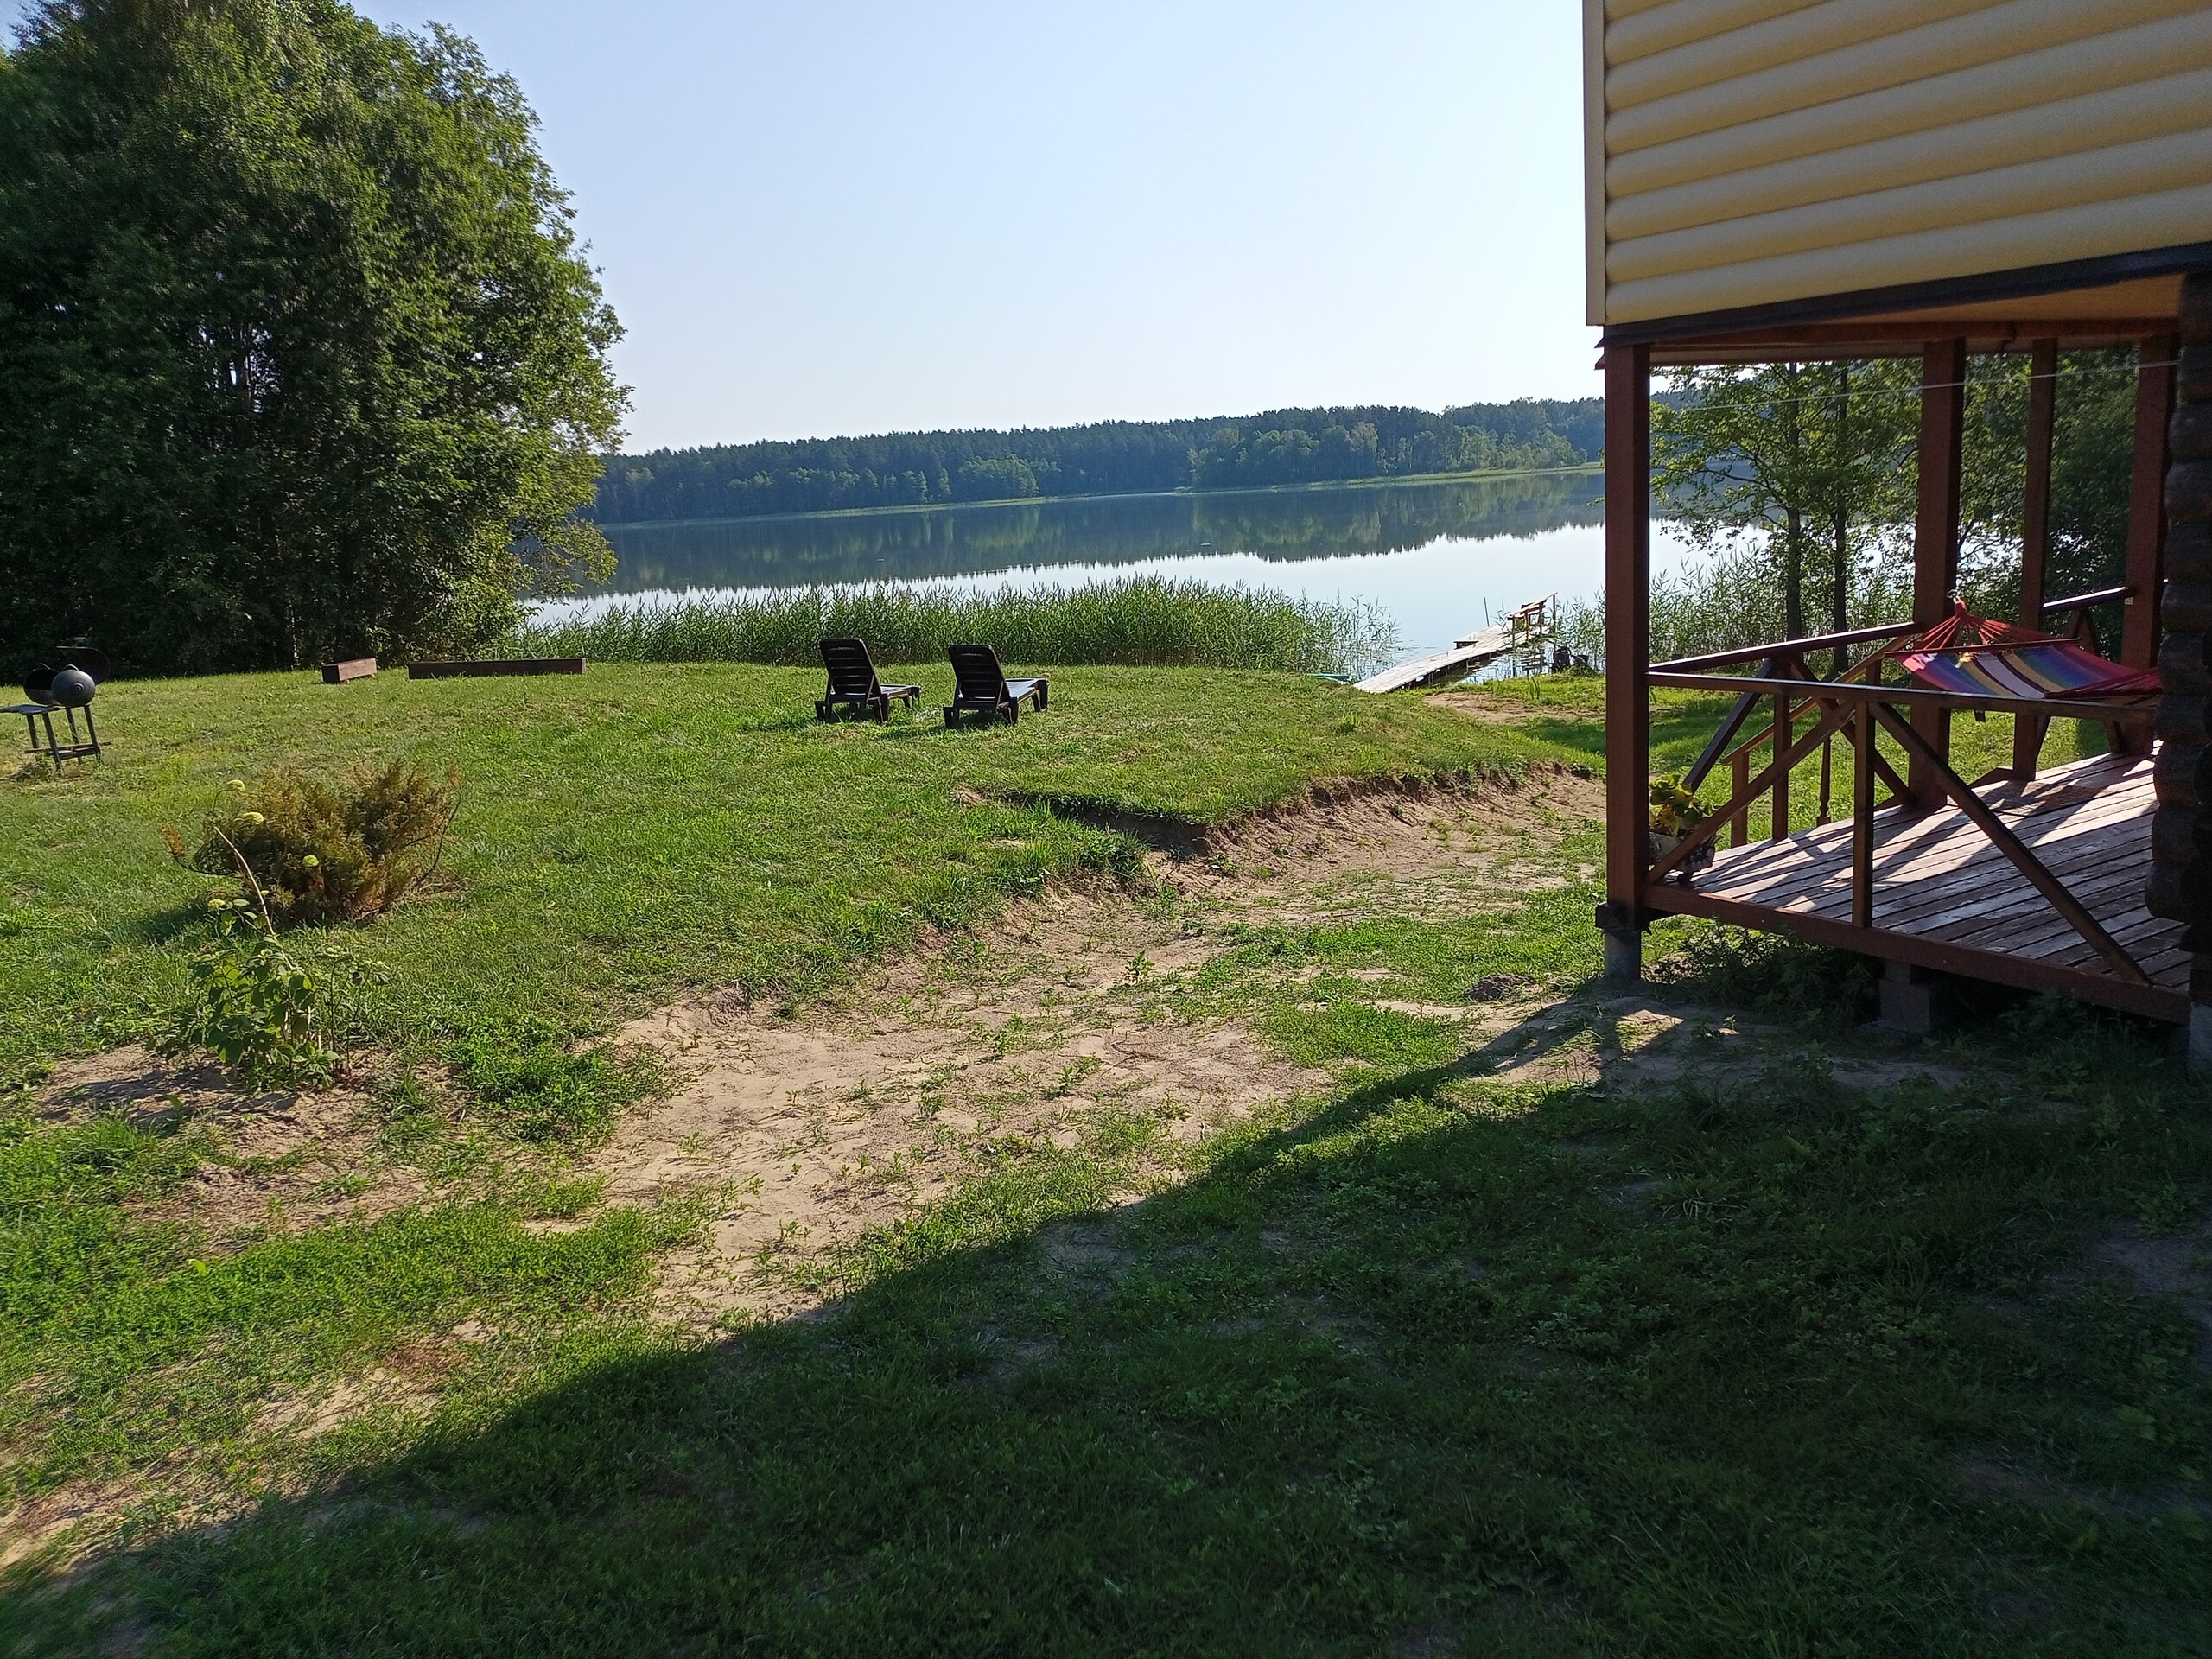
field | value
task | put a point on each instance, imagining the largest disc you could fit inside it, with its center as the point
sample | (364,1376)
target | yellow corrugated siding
(1759,151)
(2174,103)
(2035,80)
(1737,55)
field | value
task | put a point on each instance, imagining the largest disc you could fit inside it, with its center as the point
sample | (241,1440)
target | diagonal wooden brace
(1742,797)
(2012,847)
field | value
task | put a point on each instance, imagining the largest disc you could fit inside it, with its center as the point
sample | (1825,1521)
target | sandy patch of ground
(2176,1265)
(28,1527)
(811,1132)
(287,1161)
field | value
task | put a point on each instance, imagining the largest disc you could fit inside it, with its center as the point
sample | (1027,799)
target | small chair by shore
(854,682)
(981,687)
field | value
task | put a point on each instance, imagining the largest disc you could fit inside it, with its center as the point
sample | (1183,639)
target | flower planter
(1662,844)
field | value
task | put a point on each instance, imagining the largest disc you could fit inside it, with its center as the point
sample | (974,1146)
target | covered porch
(2046,879)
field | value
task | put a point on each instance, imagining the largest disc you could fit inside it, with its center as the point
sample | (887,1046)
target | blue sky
(817,217)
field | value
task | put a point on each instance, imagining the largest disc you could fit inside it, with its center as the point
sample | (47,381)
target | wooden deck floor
(1945,898)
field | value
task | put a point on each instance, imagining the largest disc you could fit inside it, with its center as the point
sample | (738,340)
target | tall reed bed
(1137,621)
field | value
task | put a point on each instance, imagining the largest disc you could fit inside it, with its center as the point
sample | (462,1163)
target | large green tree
(298,354)
(2092,454)
(1804,458)
(1806,473)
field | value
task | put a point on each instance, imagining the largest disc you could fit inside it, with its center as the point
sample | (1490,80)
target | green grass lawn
(1501,1371)
(1803,1347)
(641,830)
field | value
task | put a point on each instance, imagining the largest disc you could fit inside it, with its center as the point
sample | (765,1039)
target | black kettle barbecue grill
(69,687)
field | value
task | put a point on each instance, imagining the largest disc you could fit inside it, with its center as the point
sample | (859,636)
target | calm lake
(1441,558)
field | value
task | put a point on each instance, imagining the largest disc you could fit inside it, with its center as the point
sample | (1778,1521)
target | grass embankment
(621,838)
(1150,621)
(1751,1342)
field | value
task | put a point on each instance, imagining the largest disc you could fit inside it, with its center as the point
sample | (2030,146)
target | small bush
(256,1007)
(1772,972)
(321,854)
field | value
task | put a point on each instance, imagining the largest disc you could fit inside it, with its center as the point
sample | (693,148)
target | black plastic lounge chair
(982,687)
(853,684)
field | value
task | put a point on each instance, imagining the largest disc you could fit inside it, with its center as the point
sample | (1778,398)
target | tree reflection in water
(984,538)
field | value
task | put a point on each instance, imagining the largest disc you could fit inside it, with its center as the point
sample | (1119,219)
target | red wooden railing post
(1627,655)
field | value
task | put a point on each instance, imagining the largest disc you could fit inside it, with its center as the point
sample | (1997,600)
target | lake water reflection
(1440,556)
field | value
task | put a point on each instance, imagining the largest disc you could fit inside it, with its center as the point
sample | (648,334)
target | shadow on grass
(1445,1367)
(166,925)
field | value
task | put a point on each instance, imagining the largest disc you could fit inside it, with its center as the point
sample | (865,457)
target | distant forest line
(1284,445)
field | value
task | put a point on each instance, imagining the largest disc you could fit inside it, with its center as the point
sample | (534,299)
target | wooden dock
(1463,659)
(1948,899)
(1523,627)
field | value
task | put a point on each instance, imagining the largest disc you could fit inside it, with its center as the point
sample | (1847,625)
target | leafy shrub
(320,854)
(1772,972)
(256,1007)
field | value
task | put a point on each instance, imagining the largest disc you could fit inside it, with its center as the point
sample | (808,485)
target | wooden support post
(2147,503)
(1935,528)
(1739,827)
(2181,851)
(1628,654)
(2035,531)
(1862,818)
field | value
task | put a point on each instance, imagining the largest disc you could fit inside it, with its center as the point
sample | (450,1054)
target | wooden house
(1813,180)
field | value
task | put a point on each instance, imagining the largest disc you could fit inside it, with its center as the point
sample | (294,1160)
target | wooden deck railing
(1855,706)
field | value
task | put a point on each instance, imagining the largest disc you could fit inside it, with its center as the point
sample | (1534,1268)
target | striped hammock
(1973,654)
